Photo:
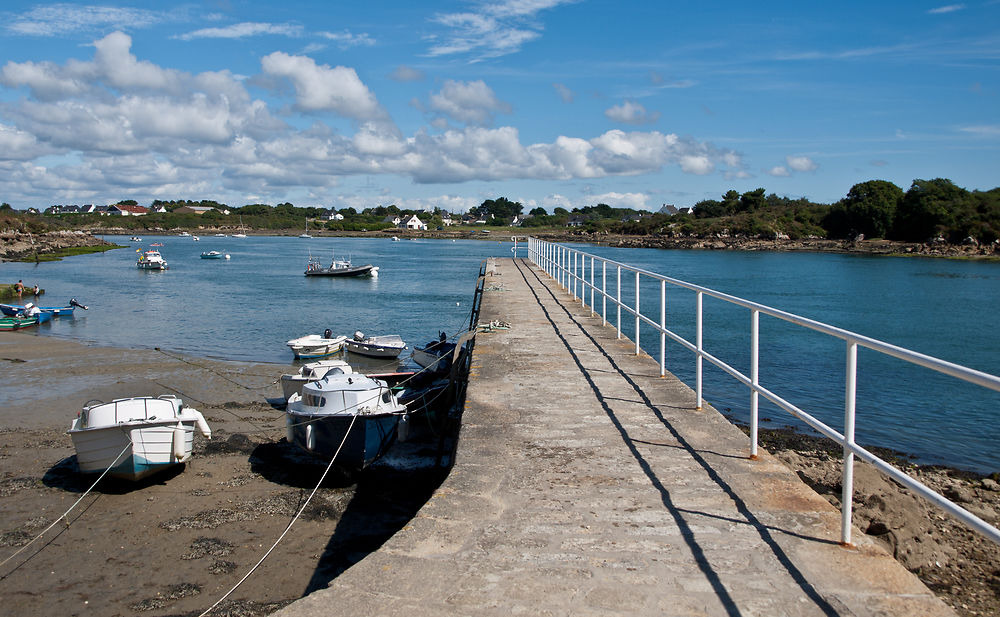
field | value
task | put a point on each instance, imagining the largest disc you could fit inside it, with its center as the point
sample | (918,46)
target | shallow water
(245,308)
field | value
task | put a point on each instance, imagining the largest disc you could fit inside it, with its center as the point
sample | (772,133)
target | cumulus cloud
(801,163)
(135,128)
(324,88)
(631,112)
(636,201)
(469,102)
(779,171)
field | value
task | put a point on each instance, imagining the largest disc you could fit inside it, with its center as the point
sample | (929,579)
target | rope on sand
(66,513)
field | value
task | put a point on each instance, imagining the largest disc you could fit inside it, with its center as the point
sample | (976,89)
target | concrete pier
(585,484)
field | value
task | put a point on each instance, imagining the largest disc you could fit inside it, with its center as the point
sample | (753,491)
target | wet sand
(178,541)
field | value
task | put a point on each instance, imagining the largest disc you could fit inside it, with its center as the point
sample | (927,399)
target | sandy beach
(177,542)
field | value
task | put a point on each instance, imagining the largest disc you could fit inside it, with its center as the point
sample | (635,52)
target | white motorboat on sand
(135,437)
(292,383)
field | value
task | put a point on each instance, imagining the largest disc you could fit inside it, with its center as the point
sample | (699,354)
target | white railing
(569,268)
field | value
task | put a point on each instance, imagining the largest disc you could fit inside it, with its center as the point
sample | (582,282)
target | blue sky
(446,104)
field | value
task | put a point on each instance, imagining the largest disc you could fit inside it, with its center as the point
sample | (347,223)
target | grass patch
(69,251)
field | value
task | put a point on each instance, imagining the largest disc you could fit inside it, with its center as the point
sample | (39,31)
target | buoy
(289,429)
(179,449)
(227,255)
(199,420)
(310,438)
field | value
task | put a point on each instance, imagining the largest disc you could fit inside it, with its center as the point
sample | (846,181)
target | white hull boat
(387,346)
(151,260)
(135,437)
(314,371)
(351,419)
(316,346)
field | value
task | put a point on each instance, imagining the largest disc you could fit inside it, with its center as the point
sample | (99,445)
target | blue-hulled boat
(14,310)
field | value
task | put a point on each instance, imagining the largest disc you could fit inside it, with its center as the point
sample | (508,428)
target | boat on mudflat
(135,437)
(316,346)
(386,346)
(350,419)
(291,383)
(339,267)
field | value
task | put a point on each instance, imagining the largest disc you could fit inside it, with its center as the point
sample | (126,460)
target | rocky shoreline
(19,246)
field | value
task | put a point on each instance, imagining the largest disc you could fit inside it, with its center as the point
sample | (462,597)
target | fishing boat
(213,255)
(350,419)
(135,437)
(339,267)
(292,383)
(316,346)
(386,346)
(435,356)
(151,260)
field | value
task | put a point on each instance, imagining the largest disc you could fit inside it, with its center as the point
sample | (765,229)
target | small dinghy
(135,437)
(435,356)
(316,346)
(314,371)
(350,409)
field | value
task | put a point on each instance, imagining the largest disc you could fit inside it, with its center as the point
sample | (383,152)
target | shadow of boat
(65,475)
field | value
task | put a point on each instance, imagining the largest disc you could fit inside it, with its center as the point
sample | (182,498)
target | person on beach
(19,288)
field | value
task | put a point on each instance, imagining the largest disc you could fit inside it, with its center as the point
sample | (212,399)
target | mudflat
(180,540)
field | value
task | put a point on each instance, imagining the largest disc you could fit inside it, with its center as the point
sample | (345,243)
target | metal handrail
(568,267)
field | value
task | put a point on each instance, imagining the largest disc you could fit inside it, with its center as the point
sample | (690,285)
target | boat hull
(316,348)
(16,323)
(374,350)
(435,357)
(321,435)
(151,448)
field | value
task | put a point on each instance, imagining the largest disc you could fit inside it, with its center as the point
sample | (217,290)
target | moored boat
(151,260)
(315,345)
(292,383)
(18,322)
(348,418)
(435,356)
(339,267)
(213,255)
(386,346)
(134,437)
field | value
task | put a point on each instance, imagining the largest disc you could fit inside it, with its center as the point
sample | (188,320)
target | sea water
(246,307)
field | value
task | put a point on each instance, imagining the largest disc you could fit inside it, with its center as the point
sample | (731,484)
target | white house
(415,223)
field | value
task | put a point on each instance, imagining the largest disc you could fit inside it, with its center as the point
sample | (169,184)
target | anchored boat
(348,418)
(387,346)
(292,383)
(316,346)
(151,260)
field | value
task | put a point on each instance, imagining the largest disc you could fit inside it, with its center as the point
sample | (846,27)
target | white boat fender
(310,438)
(199,420)
(178,442)
(403,428)
(289,429)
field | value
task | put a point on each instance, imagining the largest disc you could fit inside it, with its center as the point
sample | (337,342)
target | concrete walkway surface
(585,484)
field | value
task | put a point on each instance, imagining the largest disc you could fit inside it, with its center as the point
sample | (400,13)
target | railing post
(619,305)
(663,327)
(850,399)
(604,293)
(637,313)
(591,285)
(698,358)
(754,378)
(575,275)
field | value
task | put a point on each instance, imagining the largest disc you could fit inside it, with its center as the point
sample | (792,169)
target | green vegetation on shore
(930,211)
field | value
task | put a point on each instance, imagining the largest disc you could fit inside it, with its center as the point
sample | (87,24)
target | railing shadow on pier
(677,513)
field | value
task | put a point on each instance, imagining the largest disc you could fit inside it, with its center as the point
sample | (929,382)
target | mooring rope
(292,522)
(64,514)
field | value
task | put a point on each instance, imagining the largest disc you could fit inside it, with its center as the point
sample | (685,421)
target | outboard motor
(328,333)
(73,302)
(359,335)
